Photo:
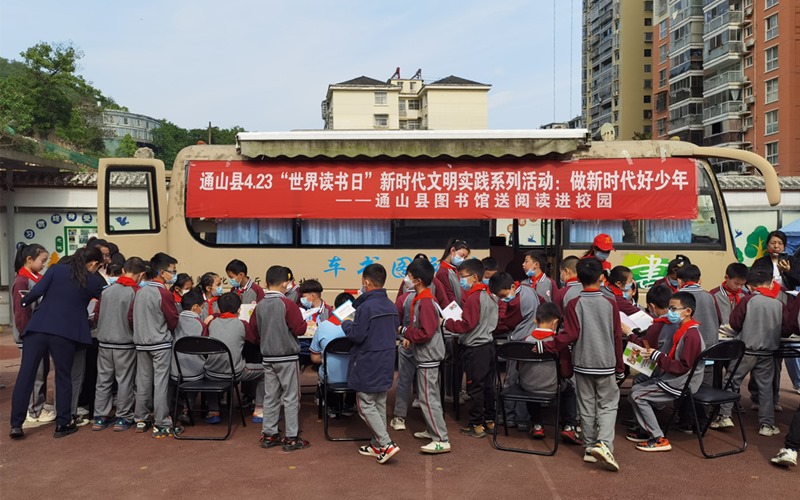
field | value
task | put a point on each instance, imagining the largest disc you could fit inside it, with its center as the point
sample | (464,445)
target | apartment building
(617,66)
(365,103)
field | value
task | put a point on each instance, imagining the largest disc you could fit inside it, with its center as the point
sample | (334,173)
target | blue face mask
(674,317)
(217,291)
(171,281)
(233,282)
(627,287)
(672,282)
(143,284)
(530,273)
(485,281)
(306,303)
(457,260)
(625,294)
(602,255)
(464,284)
(112,280)
(509,298)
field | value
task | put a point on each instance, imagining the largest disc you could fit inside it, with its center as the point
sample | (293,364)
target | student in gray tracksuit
(116,355)
(190,324)
(424,337)
(757,321)
(591,322)
(674,364)
(154,318)
(233,332)
(406,365)
(277,322)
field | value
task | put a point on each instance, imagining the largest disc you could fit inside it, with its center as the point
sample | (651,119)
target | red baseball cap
(603,242)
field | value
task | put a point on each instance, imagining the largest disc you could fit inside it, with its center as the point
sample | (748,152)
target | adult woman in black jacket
(58,326)
(785,269)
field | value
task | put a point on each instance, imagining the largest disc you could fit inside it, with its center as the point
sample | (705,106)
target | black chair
(728,352)
(340,346)
(522,352)
(205,346)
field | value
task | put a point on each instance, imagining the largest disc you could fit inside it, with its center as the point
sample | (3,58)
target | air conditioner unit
(746,79)
(749,42)
(751,99)
(748,11)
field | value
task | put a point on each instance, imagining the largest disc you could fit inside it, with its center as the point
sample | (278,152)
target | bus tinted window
(346,232)
(425,233)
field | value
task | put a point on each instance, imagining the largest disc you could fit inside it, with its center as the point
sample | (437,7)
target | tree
(168,140)
(127,147)
(642,136)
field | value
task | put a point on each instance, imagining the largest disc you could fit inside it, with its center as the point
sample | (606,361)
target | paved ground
(127,465)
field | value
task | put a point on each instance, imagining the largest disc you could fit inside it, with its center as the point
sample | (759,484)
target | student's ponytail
(24,251)
(206,280)
(77,263)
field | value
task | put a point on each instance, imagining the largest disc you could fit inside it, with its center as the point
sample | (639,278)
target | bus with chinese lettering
(328,203)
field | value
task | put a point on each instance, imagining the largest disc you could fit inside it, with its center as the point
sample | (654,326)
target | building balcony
(731,18)
(677,97)
(726,51)
(687,121)
(686,13)
(678,45)
(729,77)
(725,108)
(733,138)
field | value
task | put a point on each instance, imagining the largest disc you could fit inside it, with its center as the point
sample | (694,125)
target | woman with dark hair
(454,254)
(784,268)
(58,326)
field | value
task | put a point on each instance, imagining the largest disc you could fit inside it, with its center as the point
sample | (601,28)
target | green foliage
(641,136)
(169,139)
(127,147)
(757,243)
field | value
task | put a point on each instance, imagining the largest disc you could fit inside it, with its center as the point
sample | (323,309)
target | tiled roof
(79,180)
(363,81)
(754,182)
(456,80)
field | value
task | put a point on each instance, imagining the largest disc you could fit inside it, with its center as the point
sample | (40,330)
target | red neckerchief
(733,297)
(536,279)
(477,287)
(242,289)
(614,289)
(571,280)
(210,303)
(661,319)
(335,320)
(228,315)
(125,281)
(425,294)
(591,289)
(24,271)
(175,295)
(679,335)
(771,292)
(542,333)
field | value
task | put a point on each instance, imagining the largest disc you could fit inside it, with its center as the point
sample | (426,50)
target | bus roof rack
(411,143)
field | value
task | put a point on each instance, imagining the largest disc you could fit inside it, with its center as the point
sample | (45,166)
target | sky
(266,65)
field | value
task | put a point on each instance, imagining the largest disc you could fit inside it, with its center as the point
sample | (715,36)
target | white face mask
(408,283)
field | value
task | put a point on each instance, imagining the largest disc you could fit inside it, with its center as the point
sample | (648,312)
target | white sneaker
(785,457)
(80,421)
(81,411)
(587,457)
(604,455)
(424,435)
(398,424)
(416,404)
(721,422)
(47,416)
(435,447)
(31,422)
(768,430)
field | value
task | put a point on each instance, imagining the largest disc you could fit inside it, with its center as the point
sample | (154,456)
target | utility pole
(209,133)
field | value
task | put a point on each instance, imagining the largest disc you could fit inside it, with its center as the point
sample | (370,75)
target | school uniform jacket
(725,303)
(114,326)
(251,293)
(425,335)
(518,316)
(614,293)
(757,318)
(232,331)
(154,318)
(591,322)
(540,377)
(707,314)
(436,288)
(447,274)
(277,322)
(480,314)
(63,309)
(675,372)
(543,285)
(22,315)
(569,291)
(192,367)
(658,335)
(373,331)
(210,306)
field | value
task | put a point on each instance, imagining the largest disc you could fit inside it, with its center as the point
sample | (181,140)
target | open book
(640,320)
(451,311)
(245,311)
(345,311)
(632,356)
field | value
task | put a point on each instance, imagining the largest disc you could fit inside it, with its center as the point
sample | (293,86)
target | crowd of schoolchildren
(138,309)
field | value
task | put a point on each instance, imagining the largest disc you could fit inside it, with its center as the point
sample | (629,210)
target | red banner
(644,188)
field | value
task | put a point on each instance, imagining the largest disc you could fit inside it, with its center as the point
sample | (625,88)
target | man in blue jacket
(371,369)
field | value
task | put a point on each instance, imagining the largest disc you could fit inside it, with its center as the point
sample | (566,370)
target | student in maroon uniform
(731,291)
(570,286)
(535,267)
(454,254)
(618,287)
(671,279)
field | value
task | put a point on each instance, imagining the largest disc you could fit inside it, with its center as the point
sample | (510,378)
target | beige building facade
(365,103)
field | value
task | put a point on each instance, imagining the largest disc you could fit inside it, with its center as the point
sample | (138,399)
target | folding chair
(340,346)
(522,352)
(205,346)
(731,352)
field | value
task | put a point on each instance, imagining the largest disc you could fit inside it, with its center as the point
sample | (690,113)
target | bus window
(433,233)
(327,232)
(131,201)
(254,232)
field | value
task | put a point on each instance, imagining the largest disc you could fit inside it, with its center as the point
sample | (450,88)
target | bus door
(132,205)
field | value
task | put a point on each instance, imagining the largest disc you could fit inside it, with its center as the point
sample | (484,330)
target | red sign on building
(645,188)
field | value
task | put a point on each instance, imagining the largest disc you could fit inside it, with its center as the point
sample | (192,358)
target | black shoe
(16,433)
(65,430)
